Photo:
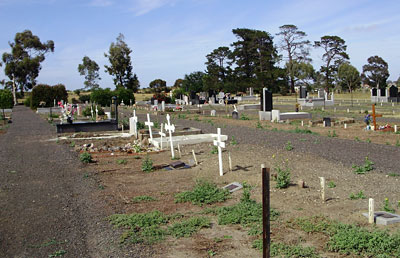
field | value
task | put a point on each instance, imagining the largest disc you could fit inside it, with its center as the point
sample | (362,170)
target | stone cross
(220,144)
(149,124)
(133,124)
(162,134)
(171,128)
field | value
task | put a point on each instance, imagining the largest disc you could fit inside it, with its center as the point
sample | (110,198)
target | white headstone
(213,113)
(395,128)
(149,124)
(170,128)
(163,106)
(220,144)
(156,102)
(322,181)
(133,124)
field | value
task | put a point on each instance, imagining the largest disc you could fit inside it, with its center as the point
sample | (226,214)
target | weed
(72,144)
(156,125)
(289,146)
(143,198)
(122,161)
(233,140)
(86,157)
(388,143)
(331,184)
(302,131)
(137,148)
(393,174)
(333,134)
(365,168)
(302,140)
(214,150)
(58,253)
(397,143)
(217,240)
(204,192)
(357,139)
(359,195)
(211,253)
(188,227)
(387,207)
(368,140)
(282,177)
(285,250)
(147,164)
(140,125)
(196,118)
(48,243)
(85,175)
(181,116)
(227,237)
(244,117)
(259,125)
(101,187)
(316,141)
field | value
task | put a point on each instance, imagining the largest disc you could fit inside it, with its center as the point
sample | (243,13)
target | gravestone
(327,121)
(383,92)
(393,91)
(374,92)
(213,113)
(163,106)
(303,92)
(235,115)
(321,93)
(251,91)
(232,187)
(266,100)
(156,102)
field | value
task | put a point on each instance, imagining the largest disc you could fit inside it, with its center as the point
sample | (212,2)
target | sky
(170,38)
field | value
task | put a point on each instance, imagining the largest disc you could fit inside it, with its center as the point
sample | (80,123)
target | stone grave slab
(177,164)
(188,139)
(384,218)
(232,187)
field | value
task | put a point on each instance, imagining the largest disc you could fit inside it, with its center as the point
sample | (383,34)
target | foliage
(218,71)
(147,164)
(122,161)
(22,65)
(140,125)
(6,99)
(333,134)
(89,69)
(304,73)
(349,77)
(334,54)
(58,253)
(387,207)
(244,117)
(101,96)
(365,168)
(193,82)
(289,146)
(376,72)
(86,157)
(284,250)
(331,184)
(282,177)
(259,125)
(121,65)
(84,98)
(188,227)
(233,140)
(302,131)
(125,95)
(88,111)
(143,198)
(204,192)
(214,150)
(158,85)
(47,94)
(357,196)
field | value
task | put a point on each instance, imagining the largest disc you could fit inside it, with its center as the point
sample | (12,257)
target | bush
(125,95)
(47,94)
(101,96)
(84,98)
(28,101)
(87,111)
(6,99)
(282,177)
(86,157)
(147,165)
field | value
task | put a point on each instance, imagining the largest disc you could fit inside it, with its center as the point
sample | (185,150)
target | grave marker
(133,124)
(179,150)
(220,144)
(266,211)
(322,181)
(170,128)
(149,124)
(162,134)
(371,213)
(374,116)
(194,157)
(230,161)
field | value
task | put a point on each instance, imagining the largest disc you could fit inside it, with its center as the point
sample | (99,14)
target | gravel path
(347,152)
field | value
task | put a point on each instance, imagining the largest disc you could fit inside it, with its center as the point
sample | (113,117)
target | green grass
(244,117)
(285,250)
(302,131)
(214,150)
(289,146)
(203,193)
(143,198)
(331,184)
(188,227)
(233,140)
(58,253)
(387,206)
(333,134)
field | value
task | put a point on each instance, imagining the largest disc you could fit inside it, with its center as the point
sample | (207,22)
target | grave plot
(149,186)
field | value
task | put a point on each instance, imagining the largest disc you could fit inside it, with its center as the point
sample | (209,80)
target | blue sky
(170,38)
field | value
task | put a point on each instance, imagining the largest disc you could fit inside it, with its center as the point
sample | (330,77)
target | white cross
(97,113)
(220,144)
(171,128)
(162,134)
(133,124)
(149,124)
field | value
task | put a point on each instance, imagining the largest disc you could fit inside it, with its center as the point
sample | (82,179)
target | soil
(87,194)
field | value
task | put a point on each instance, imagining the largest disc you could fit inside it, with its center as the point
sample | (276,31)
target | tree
(292,41)
(193,82)
(22,65)
(218,68)
(101,96)
(158,85)
(90,70)
(121,66)
(303,73)
(254,56)
(6,100)
(376,72)
(349,76)
(178,83)
(335,54)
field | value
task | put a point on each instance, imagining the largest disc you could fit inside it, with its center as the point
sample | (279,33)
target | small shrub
(244,117)
(331,184)
(147,165)
(359,195)
(204,192)
(233,140)
(365,168)
(285,250)
(289,146)
(140,125)
(357,139)
(333,134)
(259,125)
(72,144)
(387,207)
(86,157)
(368,140)
(143,198)
(282,177)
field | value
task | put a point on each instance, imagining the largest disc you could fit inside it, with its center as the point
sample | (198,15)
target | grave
(384,218)
(266,105)
(179,130)
(379,95)
(232,187)
(394,95)
(188,139)
(323,99)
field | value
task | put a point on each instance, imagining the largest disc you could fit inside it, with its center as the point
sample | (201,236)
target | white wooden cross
(171,128)
(220,144)
(149,124)
(97,113)
(133,124)
(162,134)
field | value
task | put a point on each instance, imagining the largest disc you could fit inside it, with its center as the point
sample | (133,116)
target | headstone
(266,100)
(149,124)
(235,114)
(303,92)
(213,113)
(133,124)
(374,92)
(251,91)
(327,121)
(163,106)
(321,94)
(220,144)
(170,128)
(156,102)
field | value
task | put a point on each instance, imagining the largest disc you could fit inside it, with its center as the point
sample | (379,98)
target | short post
(322,181)
(324,123)
(230,161)
(334,110)
(302,123)
(371,213)
(194,157)
(266,211)
(348,110)
(395,128)
(179,150)
(345,126)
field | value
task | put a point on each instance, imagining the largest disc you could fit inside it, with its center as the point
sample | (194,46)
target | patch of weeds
(312,224)
(282,177)
(393,174)
(368,140)
(285,250)
(137,148)
(48,243)
(233,140)
(244,117)
(364,168)
(181,116)
(72,144)
(227,237)
(331,184)
(214,150)
(387,207)
(218,240)
(140,125)
(196,118)
(397,143)
(302,131)
(156,125)
(317,141)
(122,161)
(357,196)
(58,253)
(357,139)
(289,146)
(302,140)
(147,164)
(204,192)
(388,143)
(211,253)
(137,157)
(333,134)
(211,122)
(101,187)
(259,125)
(188,227)
(143,198)
(86,157)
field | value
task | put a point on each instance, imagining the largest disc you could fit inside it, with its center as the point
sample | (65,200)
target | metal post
(266,211)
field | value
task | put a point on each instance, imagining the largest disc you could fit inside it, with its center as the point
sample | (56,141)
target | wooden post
(266,211)
(230,161)
(374,116)
(322,181)
(371,214)
(179,150)
(194,157)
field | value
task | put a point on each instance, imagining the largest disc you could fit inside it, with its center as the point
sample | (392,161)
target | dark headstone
(266,100)
(393,91)
(193,95)
(235,115)
(327,121)
(383,92)
(303,92)
(114,109)
(374,92)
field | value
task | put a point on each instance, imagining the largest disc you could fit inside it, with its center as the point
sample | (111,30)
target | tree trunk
(14,91)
